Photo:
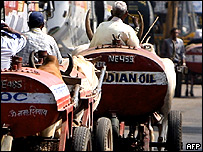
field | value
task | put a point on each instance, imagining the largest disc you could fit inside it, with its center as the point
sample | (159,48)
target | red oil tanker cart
(194,63)
(194,58)
(132,94)
(33,99)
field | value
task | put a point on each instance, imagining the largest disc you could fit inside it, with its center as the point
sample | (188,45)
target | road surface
(191,108)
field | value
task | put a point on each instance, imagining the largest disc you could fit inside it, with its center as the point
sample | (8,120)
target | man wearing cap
(103,34)
(38,40)
(12,42)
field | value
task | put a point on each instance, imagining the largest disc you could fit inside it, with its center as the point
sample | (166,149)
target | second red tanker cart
(132,95)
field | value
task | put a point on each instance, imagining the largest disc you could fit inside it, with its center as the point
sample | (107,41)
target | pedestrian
(12,42)
(173,48)
(116,26)
(38,40)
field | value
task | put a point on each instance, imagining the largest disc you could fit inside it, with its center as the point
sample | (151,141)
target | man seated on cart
(12,42)
(38,40)
(103,34)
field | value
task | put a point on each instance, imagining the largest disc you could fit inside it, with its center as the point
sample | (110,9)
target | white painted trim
(34,98)
(139,78)
(194,58)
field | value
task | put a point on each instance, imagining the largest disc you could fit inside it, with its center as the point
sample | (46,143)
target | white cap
(121,5)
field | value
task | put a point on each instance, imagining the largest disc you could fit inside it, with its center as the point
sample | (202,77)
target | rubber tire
(115,129)
(174,137)
(104,135)
(82,139)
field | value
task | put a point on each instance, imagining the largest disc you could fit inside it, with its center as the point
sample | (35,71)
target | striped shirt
(38,40)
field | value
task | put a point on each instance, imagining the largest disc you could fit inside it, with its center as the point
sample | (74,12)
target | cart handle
(75,98)
(101,78)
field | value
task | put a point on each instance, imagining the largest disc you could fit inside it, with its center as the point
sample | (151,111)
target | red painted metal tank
(136,84)
(194,58)
(31,100)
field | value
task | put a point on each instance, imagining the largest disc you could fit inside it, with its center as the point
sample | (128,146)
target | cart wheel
(82,139)
(174,138)
(115,129)
(6,143)
(104,136)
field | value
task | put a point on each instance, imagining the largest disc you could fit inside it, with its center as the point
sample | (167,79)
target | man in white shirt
(103,34)
(11,43)
(38,40)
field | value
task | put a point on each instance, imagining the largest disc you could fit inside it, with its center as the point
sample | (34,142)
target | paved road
(191,108)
